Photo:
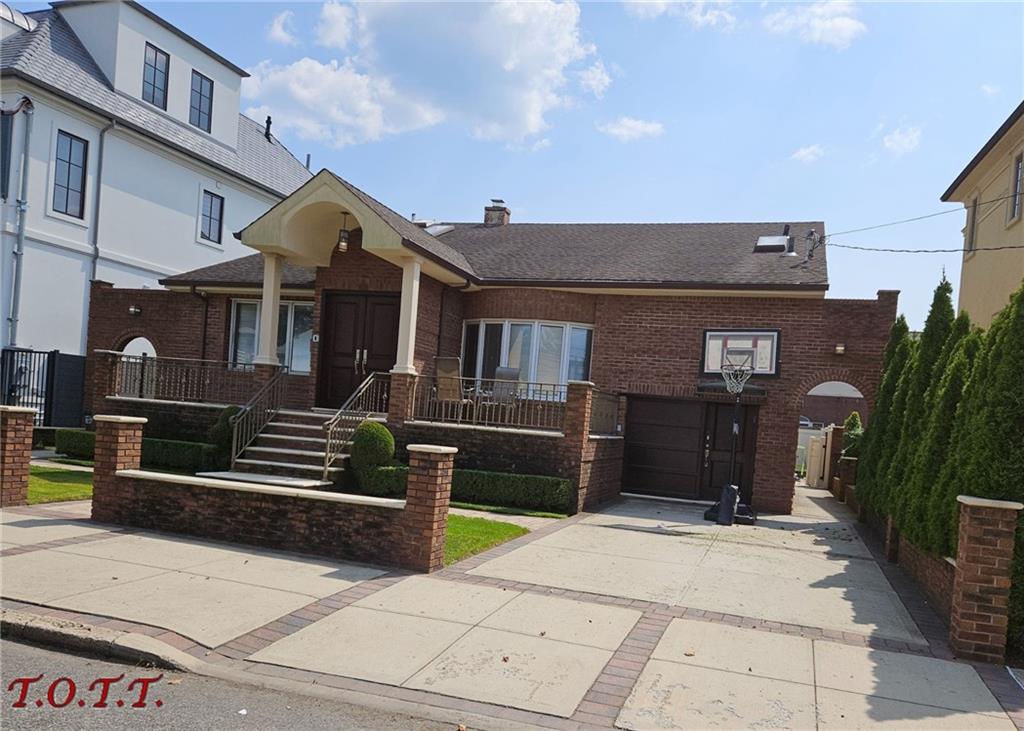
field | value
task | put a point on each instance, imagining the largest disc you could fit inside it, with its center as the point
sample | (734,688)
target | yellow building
(990,187)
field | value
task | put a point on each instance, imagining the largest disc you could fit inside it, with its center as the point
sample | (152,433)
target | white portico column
(270,310)
(407,317)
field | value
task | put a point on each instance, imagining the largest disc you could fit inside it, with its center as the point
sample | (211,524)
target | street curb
(63,634)
(132,647)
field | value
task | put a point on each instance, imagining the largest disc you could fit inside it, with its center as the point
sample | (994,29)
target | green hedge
(165,454)
(528,492)
(372,446)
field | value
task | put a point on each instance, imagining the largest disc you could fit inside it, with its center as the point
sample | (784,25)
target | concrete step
(287,469)
(311,418)
(284,428)
(305,483)
(278,454)
(289,441)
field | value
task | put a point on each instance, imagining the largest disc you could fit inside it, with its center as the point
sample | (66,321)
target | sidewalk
(516,636)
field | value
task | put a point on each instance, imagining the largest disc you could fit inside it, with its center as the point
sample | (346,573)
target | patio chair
(451,401)
(502,396)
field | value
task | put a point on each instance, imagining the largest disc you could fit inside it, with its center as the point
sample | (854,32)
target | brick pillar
(400,398)
(102,379)
(981,584)
(118,447)
(428,494)
(16,424)
(576,428)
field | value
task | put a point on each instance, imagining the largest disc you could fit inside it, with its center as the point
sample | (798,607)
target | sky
(850,113)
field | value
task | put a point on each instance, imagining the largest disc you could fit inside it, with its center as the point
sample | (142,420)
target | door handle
(364,360)
(355,362)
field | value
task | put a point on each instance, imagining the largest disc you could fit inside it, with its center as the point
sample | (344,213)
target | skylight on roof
(771,243)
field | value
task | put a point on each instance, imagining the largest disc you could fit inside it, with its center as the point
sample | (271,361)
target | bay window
(294,334)
(543,352)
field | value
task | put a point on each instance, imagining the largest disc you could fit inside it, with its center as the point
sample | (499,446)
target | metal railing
(182,379)
(369,399)
(604,413)
(490,402)
(257,413)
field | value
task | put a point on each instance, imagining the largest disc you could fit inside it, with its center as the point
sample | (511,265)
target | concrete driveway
(642,616)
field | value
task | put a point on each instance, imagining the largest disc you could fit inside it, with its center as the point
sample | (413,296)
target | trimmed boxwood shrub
(165,454)
(372,446)
(76,443)
(528,492)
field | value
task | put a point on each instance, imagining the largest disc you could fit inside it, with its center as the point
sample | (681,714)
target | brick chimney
(497,214)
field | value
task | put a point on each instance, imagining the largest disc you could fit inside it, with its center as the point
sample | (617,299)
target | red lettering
(51,692)
(25,683)
(145,682)
(105,683)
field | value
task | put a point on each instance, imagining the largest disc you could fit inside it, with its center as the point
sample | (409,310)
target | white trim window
(544,352)
(294,334)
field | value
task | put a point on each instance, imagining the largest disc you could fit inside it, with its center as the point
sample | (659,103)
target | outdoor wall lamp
(134,310)
(343,233)
(840,348)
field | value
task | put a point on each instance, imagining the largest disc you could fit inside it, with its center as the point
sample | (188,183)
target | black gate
(52,382)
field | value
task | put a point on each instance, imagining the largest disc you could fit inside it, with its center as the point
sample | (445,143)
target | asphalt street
(186,701)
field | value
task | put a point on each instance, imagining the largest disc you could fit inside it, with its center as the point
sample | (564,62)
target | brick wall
(168,419)
(408,534)
(832,409)
(934,575)
(530,304)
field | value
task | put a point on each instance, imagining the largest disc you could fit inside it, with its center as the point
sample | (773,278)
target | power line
(920,251)
(920,218)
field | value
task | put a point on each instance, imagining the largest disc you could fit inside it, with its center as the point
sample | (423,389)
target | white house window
(212,217)
(544,352)
(755,348)
(294,334)
(1016,185)
(200,107)
(69,177)
(154,76)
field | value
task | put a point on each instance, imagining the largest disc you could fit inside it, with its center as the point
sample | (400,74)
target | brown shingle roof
(676,255)
(689,255)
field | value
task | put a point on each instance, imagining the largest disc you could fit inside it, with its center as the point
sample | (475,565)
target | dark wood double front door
(680,448)
(358,336)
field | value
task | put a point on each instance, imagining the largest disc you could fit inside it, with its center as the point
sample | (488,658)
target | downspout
(96,203)
(206,318)
(19,246)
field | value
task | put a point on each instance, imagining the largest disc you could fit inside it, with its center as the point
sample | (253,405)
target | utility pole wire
(920,218)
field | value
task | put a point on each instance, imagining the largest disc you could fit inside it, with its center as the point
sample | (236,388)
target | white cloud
(698,13)
(826,23)
(809,154)
(281,29)
(627,129)
(336,25)
(990,89)
(902,139)
(595,79)
(333,102)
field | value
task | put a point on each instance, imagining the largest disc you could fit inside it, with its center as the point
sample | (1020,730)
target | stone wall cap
(980,502)
(432,449)
(114,419)
(581,383)
(17,410)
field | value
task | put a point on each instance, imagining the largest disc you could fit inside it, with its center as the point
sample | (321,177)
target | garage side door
(663,447)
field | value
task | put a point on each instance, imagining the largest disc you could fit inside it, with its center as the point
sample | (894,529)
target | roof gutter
(14,73)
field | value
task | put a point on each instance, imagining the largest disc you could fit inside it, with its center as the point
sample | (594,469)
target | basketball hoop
(736,377)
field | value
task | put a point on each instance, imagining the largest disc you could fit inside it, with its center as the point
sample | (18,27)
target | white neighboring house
(139,163)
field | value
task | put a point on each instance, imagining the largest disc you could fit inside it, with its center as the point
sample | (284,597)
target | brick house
(591,351)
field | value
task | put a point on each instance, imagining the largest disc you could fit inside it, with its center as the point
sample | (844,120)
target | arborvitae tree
(890,442)
(853,433)
(923,506)
(933,340)
(899,332)
(874,436)
(907,502)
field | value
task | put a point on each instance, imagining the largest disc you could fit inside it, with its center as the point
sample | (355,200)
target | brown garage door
(680,448)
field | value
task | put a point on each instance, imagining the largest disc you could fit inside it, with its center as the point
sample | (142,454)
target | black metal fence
(51,382)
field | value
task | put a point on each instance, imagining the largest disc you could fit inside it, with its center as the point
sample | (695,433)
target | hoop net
(735,377)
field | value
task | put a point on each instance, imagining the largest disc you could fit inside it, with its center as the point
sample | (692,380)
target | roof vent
(422,222)
(779,244)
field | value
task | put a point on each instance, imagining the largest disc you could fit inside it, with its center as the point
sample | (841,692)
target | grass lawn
(468,536)
(49,485)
